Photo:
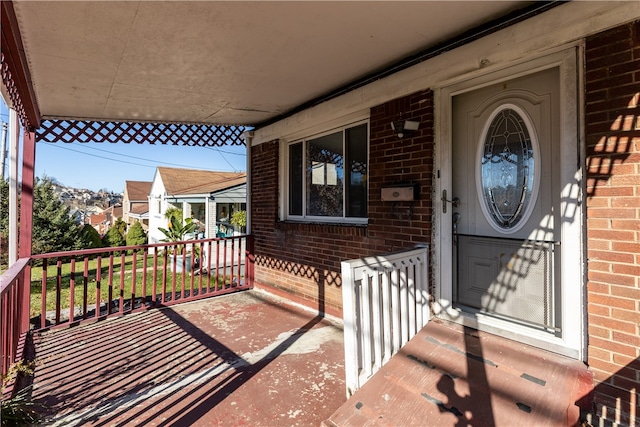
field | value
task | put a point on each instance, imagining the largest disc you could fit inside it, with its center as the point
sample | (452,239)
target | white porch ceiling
(219,62)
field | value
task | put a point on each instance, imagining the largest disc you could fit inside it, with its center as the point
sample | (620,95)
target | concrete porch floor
(241,359)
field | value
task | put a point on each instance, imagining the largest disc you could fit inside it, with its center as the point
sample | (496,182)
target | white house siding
(157,206)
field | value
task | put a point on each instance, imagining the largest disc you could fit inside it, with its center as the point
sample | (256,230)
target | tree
(113,238)
(54,229)
(90,237)
(136,235)
(4,207)
(239,219)
(121,226)
(4,221)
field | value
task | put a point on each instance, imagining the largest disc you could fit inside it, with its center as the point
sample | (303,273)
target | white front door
(509,194)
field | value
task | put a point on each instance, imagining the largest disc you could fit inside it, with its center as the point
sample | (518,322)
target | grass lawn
(106,284)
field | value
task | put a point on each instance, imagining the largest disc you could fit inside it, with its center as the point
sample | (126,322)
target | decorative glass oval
(508,160)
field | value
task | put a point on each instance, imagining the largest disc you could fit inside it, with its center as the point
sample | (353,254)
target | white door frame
(571,298)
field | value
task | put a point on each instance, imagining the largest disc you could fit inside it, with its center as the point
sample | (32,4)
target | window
(327,176)
(507,169)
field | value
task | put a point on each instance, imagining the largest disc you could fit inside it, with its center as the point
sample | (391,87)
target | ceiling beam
(15,70)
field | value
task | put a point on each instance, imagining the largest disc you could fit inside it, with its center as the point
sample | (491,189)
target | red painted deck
(240,359)
(251,359)
(449,376)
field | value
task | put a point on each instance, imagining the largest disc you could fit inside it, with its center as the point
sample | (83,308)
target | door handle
(455,202)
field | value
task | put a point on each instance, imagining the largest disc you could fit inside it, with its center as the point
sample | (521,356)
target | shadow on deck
(449,375)
(244,358)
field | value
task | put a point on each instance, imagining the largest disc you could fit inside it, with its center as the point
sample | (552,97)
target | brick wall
(613,217)
(303,260)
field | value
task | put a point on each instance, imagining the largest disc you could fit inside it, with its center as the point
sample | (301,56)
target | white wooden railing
(385,303)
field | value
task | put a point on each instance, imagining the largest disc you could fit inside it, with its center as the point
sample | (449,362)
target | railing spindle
(174,257)
(72,290)
(155,278)
(224,264)
(122,273)
(191,273)
(164,275)
(98,284)
(231,259)
(58,288)
(200,265)
(43,313)
(209,266)
(110,296)
(145,258)
(239,263)
(134,279)
(85,287)
(217,284)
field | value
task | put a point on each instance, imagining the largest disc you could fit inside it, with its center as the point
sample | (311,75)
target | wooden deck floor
(240,359)
(250,359)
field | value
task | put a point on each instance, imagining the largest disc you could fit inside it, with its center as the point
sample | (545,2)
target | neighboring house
(207,196)
(113,213)
(135,203)
(101,222)
(104,220)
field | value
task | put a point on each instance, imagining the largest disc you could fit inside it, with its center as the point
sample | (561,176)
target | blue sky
(105,165)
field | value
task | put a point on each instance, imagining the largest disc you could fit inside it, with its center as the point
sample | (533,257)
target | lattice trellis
(139,132)
(12,91)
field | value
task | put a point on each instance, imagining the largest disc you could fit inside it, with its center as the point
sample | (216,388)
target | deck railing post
(25,285)
(250,260)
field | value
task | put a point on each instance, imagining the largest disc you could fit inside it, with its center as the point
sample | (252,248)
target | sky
(96,166)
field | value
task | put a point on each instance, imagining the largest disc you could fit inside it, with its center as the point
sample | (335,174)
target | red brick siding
(303,260)
(612,124)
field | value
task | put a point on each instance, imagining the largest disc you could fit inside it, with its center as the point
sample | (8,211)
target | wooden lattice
(12,91)
(139,132)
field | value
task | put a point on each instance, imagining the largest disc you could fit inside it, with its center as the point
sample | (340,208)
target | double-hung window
(327,176)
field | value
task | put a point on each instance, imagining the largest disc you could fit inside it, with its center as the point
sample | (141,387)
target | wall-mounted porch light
(404,128)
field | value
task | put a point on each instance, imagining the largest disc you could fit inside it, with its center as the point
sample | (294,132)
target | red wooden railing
(97,283)
(14,320)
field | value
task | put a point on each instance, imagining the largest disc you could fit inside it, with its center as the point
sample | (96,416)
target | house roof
(178,182)
(236,62)
(137,190)
(139,209)
(97,218)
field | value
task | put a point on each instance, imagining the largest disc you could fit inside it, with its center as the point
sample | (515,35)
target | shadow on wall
(617,398)
(608,150)
(613,180)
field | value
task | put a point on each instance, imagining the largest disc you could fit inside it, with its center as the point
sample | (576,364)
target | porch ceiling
(221,62)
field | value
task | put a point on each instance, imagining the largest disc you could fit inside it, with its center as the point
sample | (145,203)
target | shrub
(136,235)
(239,219)
(113,238)
(90,237)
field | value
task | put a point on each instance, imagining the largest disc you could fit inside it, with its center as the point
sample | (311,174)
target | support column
(26,197)
(248,140)
(14,135)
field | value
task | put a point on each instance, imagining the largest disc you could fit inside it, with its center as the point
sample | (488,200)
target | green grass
(106,284)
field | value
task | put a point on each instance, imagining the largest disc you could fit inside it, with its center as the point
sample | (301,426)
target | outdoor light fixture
(404,127)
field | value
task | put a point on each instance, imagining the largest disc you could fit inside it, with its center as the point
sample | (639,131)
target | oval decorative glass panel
(507,169)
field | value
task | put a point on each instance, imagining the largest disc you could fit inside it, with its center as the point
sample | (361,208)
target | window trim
(284,182)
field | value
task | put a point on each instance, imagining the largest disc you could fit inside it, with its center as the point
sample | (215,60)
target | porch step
(451,375)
